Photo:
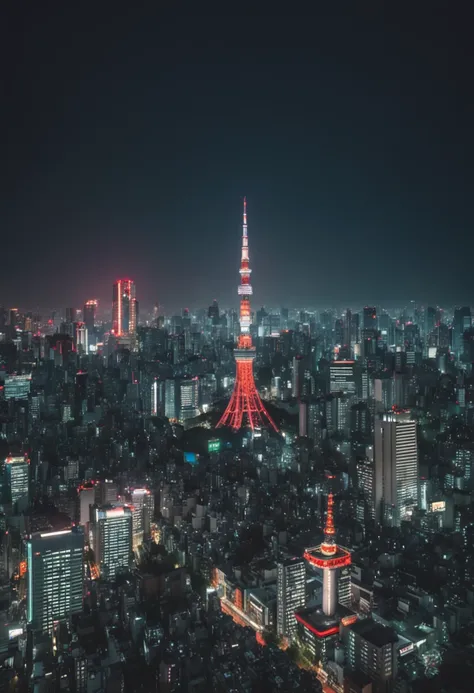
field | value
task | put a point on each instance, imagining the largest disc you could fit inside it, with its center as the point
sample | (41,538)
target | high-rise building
(369,321)
(86,496)
(291,594)
(213,312)
(372,651)
(245,407)
(396,467)
(366,482)
(461,322)
(112,533)
(107,492)
(55,577)
(171,410)
(70,315)
(342,379)
(17,386)
(81,335)
(16,479)
(89,313)
(188,398)
(142,507)
(124,308)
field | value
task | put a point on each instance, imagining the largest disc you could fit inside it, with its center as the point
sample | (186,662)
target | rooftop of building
(375,633)
(321,624)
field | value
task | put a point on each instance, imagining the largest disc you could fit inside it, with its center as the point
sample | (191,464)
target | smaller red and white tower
(330,558)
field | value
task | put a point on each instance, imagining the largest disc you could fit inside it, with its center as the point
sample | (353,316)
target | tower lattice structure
(245,407)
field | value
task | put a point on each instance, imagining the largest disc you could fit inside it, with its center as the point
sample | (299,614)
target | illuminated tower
(124,308)
(245,407)
(329,557)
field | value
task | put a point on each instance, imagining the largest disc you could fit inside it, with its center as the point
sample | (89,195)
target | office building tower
(303,418)
(245,407)
(55,577)
(17,386)
(142,507)
(81,338)
(342,381)
(344,586)
(369,332)
(70,316)
(301,384)
(291,594)
(189,398)
(365,470)
(124,308)
(16,480)
(369,320)
(171,412)
(14,318)
(348,329)
(213,312)
(112,531)
(372,651)
(107,492)
(342,377)
(89,314)
(86,497)
(461,322)
(396,467)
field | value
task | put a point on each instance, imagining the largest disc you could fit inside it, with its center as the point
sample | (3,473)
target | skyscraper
(245,406)
(16,479)
(124,308)
(396,467)
(55,577)
(81,336)
(461,322)
(291,594)
(188,398)
(89,313)
(342,379)
(142,507)
(112,539)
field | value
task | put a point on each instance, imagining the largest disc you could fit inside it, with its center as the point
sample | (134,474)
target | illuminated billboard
(438,506)
(190,457)
(214,445)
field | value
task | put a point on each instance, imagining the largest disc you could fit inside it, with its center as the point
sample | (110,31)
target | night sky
(130,139)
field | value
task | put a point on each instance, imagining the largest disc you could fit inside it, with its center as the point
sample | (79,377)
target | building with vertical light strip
(396,467)
(112,534)
(124,308)
(55,577)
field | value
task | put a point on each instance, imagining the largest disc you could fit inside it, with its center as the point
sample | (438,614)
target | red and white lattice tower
(245,407)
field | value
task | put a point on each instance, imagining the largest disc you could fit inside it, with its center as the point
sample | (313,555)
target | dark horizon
(131,139)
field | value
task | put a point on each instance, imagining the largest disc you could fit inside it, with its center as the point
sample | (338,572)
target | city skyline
(355,168)
(200,491)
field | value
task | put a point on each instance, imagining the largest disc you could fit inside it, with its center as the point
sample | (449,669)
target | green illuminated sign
(214,445)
